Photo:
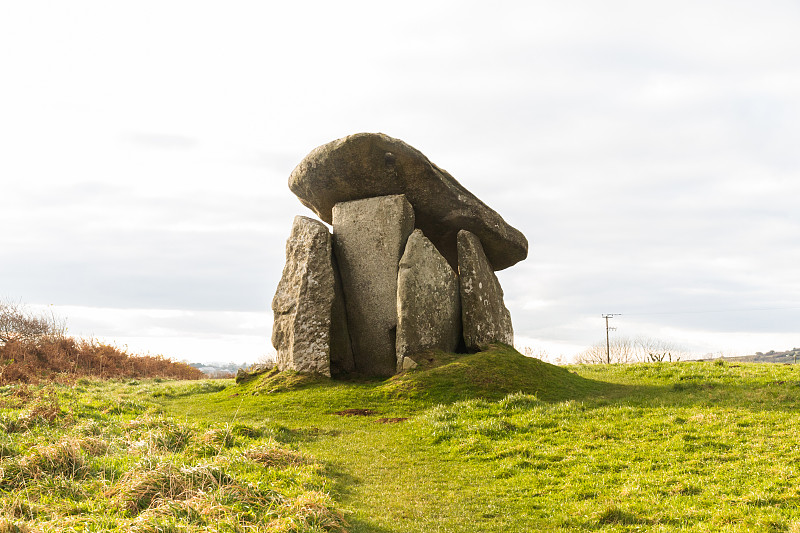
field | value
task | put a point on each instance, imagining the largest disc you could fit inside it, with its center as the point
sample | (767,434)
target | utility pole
(608,342)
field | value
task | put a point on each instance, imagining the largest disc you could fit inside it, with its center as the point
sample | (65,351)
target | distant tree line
(632,350)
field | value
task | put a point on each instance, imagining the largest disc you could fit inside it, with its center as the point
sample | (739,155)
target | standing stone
(428,302)
(368,238)
(484,315)
(304,301)
(341,349)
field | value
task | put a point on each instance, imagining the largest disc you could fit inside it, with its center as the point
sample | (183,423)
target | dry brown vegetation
(65,358)
(34,348)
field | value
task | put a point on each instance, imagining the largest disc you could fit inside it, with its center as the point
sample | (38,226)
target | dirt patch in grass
(355,412)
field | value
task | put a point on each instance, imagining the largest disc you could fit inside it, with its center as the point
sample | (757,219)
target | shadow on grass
(343,491)
(360,526)
(616,517)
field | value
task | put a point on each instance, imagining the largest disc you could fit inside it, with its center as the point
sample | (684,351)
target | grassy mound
(275,381)
(446,378)
(491,375)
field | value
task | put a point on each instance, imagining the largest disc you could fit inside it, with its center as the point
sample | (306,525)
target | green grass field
(487,442)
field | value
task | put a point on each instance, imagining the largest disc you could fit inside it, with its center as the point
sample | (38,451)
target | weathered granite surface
(341,349)
(369,237)
(304,300)
(485,318)
(368,165)
(428,302)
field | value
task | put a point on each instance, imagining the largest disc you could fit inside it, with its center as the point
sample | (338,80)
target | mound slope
(492,374)
(445,377)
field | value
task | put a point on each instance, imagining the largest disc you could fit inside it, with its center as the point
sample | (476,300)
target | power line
(711,311)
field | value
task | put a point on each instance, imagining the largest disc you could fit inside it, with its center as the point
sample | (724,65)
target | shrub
(19,324)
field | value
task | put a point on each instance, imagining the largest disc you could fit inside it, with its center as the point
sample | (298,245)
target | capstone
(368,165)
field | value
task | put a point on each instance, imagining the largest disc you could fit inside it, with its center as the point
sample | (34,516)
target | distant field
(488,442)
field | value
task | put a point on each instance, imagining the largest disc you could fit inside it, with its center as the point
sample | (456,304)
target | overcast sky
(650,152)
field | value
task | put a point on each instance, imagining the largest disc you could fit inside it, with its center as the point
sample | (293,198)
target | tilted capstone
(368,165)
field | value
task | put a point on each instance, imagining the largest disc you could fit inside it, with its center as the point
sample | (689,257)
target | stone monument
(408,268)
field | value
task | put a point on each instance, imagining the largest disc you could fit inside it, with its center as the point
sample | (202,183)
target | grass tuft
(615,515)
(63,458)
(114,469)
(273,456)
(219,438)
(150,484)
(9,526)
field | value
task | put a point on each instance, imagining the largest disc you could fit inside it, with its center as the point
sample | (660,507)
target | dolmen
(409,267)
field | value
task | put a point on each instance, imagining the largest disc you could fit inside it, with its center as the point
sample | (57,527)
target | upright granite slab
(373,164)
(428,302)
(369,237)
(485,318)
(341,349)
(304,302)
